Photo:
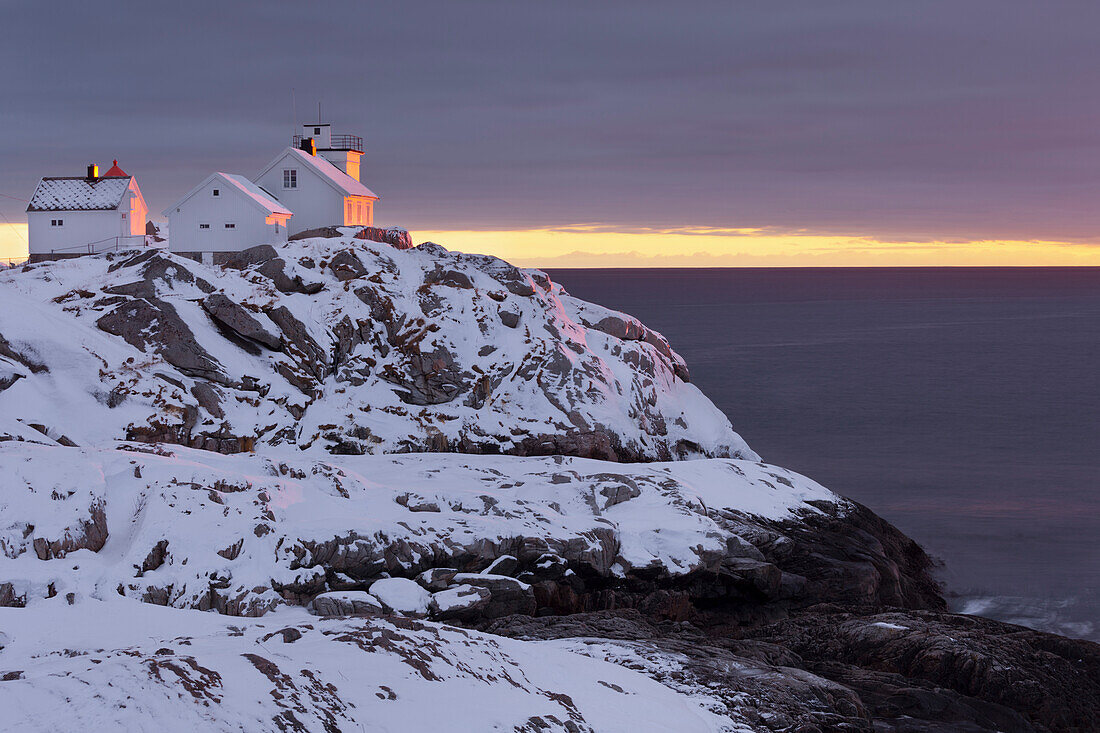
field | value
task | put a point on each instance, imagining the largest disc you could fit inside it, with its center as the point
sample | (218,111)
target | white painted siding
(345,160)
(137,213)
(314,202)
(321,134)
(82,232)
(229,207)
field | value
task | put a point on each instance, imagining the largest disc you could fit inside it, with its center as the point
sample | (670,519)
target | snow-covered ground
(88,534)
(119,665)
(340,345)
(195,529)
(178,438)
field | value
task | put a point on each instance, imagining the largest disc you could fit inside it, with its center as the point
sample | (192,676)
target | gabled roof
(260,198)
(330,174)
(76,193)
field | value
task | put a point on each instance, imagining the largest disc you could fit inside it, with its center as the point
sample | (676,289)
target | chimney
(93,172)
(309,145)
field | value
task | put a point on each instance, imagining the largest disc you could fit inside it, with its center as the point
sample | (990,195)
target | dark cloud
(962,119)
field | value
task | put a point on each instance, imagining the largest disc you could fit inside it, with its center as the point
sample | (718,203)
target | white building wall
(82,232)
(136,210)
(314,202)
(230,207)
(321,133)
(345,160)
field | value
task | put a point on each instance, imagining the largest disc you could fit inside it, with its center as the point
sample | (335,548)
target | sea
(960,404)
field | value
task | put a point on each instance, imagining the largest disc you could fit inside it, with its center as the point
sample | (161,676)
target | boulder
(437,579)
(461,602)
(398,238)
(251,256)
(403,596)
(507,595)
(345,603)
(237,319)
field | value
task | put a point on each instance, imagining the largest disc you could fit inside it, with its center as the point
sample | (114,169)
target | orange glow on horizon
(594,246)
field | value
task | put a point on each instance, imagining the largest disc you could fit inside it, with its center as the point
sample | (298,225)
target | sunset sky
(599,134)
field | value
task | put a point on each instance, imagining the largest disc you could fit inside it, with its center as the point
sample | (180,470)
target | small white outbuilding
(318,192)
(69,216)
(225,213)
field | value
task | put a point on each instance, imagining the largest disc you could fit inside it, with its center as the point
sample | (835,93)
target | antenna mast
(293,113)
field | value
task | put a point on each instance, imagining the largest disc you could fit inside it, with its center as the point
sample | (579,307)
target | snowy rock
(463,602)
(240,321)
(436,579)
(506,595)
(340,346)
(402,596)
(503,565)
(346,603)
(244,534)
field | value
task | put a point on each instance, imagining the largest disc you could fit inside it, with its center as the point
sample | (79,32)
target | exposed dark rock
(251,256)
(398,238)
(346,266)
(7,350)
(428,379)
(9,598)
(275,271)
(88,534)
(463,603)
(310,355)
(171,338)
(451,278)
(950,668)
(236,318)
(507,596)
(326,232)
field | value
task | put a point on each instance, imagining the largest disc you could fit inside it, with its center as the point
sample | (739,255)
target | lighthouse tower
(343,151)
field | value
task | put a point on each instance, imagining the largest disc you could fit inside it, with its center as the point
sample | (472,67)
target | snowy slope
(115,665)
(344,346)
(244,534)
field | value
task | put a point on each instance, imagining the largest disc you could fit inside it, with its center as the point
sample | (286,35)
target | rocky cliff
(297,445)
(344,346)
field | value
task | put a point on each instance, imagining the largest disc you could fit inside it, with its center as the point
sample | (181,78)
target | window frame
(290,178)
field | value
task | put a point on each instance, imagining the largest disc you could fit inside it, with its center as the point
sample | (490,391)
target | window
(290,178)
(123,216)
(204,226)
(57,222)
(217,192)
(230,226)
(316,130)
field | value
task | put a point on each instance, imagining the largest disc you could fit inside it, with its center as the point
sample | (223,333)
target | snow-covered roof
(76,193)
(257,195)
(332,175)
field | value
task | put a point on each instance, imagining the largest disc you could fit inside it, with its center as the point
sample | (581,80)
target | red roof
(115,170)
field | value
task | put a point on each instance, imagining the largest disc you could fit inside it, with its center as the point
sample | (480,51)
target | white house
(74,215)
(317,191)
(225,213)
